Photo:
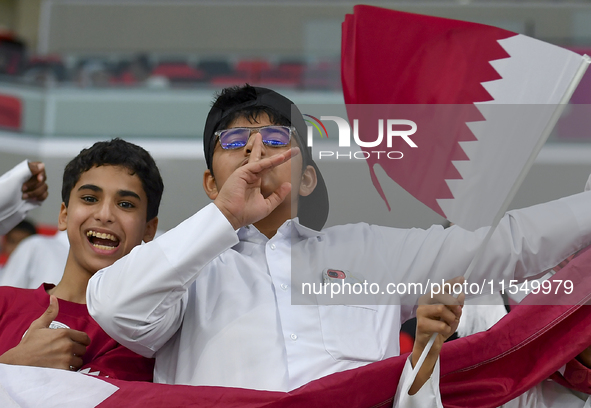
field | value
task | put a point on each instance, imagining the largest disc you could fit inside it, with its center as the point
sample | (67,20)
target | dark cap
(312,209)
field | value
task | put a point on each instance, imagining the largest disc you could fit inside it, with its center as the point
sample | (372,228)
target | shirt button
(272,246)
(283,286)
(294,337)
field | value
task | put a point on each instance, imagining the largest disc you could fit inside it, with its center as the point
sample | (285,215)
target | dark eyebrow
(128,193)
(90,187)
(120,193)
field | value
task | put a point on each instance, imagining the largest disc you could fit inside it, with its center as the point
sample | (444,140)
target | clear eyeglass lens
(273,136)
(234,138)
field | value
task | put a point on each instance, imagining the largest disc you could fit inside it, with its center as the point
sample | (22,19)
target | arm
(140,300)
(437,313)
(525,244)
(156,277)
(21,189)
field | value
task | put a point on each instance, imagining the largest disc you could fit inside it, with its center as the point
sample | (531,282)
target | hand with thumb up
(45,347)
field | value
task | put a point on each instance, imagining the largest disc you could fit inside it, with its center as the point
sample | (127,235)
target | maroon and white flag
(484,100)
(483,370)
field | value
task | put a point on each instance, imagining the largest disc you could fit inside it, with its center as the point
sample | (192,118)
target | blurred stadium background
(76,71)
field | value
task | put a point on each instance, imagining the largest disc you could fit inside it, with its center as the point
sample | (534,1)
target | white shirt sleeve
(13,208)
(140,300)
(428,395)
(526,243)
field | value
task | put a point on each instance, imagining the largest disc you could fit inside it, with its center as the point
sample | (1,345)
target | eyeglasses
(237,138)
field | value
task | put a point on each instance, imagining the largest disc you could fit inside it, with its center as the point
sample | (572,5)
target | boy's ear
(62,219)
(209,185)
(309,181)
(150,231)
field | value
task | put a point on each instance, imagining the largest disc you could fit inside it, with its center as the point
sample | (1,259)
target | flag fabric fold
(485,370)
(507,91)
(394,58)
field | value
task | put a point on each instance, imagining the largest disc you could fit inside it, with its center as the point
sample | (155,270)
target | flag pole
(503,209)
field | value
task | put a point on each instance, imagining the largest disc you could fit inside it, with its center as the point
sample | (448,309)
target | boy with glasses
(212,298)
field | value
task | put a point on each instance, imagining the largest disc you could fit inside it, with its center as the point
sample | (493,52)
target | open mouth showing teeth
(102,240)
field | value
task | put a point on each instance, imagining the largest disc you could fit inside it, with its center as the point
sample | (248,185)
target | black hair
(117,152)
(26,226)
(231,97)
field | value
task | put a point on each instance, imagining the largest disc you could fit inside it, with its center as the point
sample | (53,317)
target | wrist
(11,357)
(425,372)
(229,216)
(418,348)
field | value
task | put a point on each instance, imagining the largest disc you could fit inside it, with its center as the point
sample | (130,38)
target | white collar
(249,231)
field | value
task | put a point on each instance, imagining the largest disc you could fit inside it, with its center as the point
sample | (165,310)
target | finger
(440,312)
(277,197)
(75,363)
(444,316)
(461,299)
(79,337)
(78,349)
(257,148)
(453,284)
(36,167)
(43,196)
(39,193)
(443,298)
(451,316)
(48,316)
(454,325)
(31,184)
(428,327)
(272,161)
(452,303)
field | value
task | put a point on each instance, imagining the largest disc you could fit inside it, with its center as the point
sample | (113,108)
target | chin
(101,264)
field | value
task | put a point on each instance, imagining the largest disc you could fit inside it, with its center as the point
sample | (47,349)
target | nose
(250,144)
(104,213)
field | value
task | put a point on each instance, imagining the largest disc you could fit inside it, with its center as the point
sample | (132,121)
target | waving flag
(484,101)
(478,370)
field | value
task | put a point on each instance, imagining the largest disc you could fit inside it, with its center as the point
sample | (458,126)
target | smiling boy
(111,193)
(212,298)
